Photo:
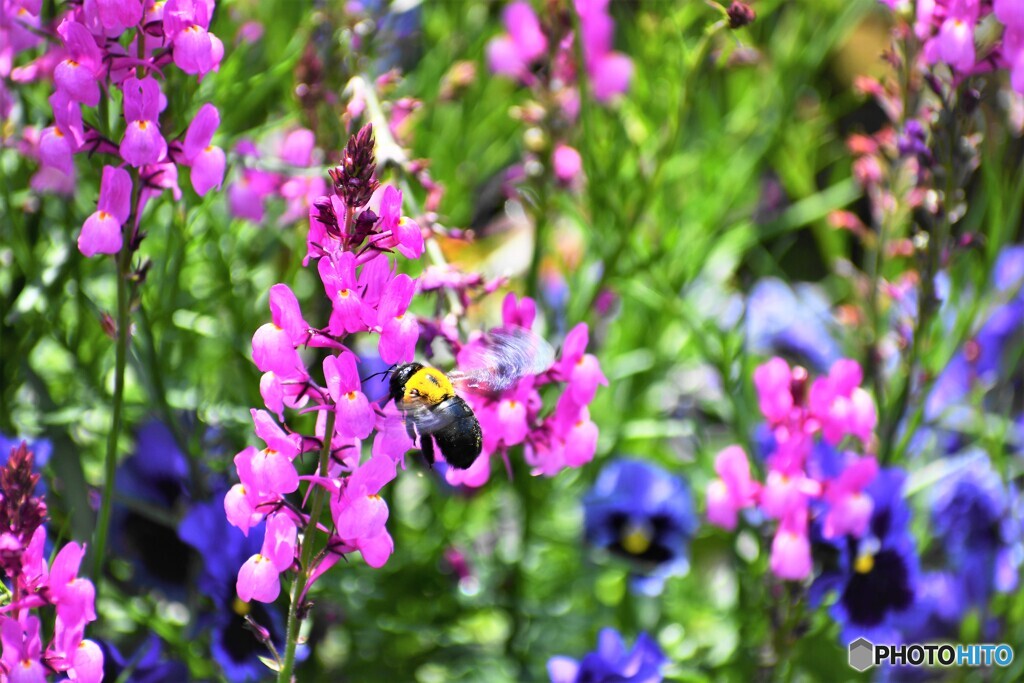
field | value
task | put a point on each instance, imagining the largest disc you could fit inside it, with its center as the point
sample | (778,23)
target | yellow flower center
(636,538)
(864,563)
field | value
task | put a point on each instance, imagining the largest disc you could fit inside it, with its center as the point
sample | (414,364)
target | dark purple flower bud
(740,14)
(326,215)
(21,512)
(798,385)
(354,179)
(363,226)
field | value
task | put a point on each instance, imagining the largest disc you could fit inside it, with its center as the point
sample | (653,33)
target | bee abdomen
(460,440)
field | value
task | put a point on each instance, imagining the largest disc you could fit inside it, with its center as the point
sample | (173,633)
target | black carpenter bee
(435,414)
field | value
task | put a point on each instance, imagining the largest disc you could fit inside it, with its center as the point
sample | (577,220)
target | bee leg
(427,446)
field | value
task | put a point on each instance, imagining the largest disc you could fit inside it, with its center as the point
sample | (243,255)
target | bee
(435,413)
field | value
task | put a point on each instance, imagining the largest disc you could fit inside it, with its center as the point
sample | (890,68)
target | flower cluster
(294,153)
(34,584)
(528,41)
(352,232)
(806,475)
(641,512)
(947,29)
(127,45)
(612,662)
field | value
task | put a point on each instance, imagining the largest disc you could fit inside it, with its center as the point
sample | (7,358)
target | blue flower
(639,511)
(147,665)
(975,523)
(984,356)
(875,576)
(794,323)
(224,549)
(611,662)
(153,483)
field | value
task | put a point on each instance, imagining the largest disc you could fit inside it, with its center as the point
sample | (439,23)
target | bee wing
(416,412)
(502,358)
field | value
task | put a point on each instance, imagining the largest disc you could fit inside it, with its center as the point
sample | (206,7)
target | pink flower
(22,650)
(273,344)
(73,596)
(355,416)
(849,507)
(791,549)
(101,232)
(207,161)
(142,143)
(405,236)
(360,514)
(185,24)
(117,15)
(258,579)
(512,53)
(772,380)
(338,275)
(398,328)
(78,75)
(733,490)
(567,162)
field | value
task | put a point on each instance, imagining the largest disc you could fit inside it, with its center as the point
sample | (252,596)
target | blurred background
(717,218)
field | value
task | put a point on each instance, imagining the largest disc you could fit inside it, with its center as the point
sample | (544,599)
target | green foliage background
(675,174)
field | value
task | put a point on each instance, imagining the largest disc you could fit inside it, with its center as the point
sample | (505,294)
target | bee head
(400,376)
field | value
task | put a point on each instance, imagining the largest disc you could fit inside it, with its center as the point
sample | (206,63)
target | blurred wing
(419,414)
(502,358)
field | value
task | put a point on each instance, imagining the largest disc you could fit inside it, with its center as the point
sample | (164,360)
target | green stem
(305,556)
(120,361)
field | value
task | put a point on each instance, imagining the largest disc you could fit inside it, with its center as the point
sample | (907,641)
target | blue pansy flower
(875,576)
(984,356)
(793,323)
(224,549)
(641,512)
(147,665)
(611,662)
(975,522)
(152,487)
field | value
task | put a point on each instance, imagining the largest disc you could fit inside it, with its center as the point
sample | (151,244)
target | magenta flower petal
(77,81)
(398,339)
(286,312)
(279,541)
(119,14)
(258,580)
(101,234)
(239,510)
(524,28)
(503,57)
(610,75)
(372,476)
(297,149)
(142,143)
(274,473)
(956,43)
(208,170)
(566,162)
(200,132)
(361,516)
(193,50)
(377,550)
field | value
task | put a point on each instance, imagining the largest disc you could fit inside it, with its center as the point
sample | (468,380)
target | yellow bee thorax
(429,385)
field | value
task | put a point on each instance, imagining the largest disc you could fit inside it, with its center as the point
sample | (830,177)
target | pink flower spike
(259,580)
(101,233)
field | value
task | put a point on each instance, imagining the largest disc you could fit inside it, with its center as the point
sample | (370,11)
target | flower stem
(120,360)
(305,556)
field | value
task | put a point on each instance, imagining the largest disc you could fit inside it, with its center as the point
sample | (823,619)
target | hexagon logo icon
(862,654)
